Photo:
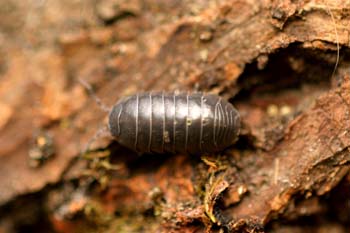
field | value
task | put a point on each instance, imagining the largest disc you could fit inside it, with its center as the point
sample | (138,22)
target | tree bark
(284,65)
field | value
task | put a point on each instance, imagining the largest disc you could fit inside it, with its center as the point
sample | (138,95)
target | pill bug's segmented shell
(168,122)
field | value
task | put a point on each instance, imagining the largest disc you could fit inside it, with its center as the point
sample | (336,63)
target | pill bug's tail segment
(236,123)
(102,132)
(98,101)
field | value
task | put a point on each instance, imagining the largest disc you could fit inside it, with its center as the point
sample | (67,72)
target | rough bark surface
(284,64)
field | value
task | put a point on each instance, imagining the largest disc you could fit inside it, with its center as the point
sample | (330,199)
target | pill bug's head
(114,120)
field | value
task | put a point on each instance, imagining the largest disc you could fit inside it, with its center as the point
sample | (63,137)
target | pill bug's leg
(98,101)
(102,132)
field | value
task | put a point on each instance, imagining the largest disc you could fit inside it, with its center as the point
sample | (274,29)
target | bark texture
(284,64)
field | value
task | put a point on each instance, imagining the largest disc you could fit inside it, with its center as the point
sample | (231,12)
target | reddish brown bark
(273,59)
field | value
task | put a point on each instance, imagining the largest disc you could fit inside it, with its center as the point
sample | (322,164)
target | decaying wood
(273,59)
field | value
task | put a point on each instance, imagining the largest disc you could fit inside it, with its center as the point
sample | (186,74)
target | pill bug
(168,122)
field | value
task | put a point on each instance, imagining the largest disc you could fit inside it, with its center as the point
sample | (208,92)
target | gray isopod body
(168,122)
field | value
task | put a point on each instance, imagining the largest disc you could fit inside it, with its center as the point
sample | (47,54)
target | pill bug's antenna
(104,130)
(93,95)
(101,132)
